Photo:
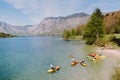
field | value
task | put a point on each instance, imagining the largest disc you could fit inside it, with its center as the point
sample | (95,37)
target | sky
(32,12)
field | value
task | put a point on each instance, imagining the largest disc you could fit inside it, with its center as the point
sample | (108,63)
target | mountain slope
(110,20)
(17,30)
(56,25)
(48,26)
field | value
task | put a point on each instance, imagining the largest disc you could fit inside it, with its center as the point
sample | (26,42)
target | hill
(110,20)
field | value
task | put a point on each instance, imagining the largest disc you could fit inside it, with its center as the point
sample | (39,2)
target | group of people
(73,59)
(82,62)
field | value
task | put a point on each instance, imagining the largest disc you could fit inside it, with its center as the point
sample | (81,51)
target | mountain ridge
(48,26)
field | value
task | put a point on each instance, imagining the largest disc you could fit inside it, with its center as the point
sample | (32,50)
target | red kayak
(92,55)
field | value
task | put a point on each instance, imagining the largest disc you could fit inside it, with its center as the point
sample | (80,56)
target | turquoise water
(29,58)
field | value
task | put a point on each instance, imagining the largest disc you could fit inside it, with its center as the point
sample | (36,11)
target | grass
(116,75)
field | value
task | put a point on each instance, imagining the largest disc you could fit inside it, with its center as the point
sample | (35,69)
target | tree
(3,35)
(73,32)
(66,34)
(117,27)
(94,29)
(80,29)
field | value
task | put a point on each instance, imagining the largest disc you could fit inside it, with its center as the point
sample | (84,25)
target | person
(71,56)
(83,61)
(73,59)
(51,66)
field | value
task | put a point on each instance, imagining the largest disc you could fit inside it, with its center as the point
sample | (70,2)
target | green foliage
(108,39)
(3,35)
(115,40)
(73,32)
(117,27)
(66,34)
(98,13)
(94,29)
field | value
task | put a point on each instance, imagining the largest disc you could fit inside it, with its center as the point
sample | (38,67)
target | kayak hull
(73,63)
(82,64)
(51,71)
(102,57)
(54,70)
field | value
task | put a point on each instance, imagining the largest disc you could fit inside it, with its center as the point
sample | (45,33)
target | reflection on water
(28,58)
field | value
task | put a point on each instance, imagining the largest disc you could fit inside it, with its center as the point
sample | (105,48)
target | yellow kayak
(53,70)
(83,64)
(102,57)
(94,59)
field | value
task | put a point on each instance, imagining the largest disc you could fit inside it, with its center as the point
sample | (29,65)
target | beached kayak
(91,58)
(94,59)
(92,55)
(83,64)
(102,57)
(95,56)
(54,70)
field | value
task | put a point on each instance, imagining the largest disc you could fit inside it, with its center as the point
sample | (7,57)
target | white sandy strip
(117,52)
(113,51)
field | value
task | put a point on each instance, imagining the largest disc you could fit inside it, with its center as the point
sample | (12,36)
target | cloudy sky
(23,12)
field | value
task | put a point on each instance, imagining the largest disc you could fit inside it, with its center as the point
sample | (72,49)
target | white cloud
(39,9)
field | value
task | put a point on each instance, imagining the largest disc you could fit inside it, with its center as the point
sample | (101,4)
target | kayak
(74,63)
(92,55)
(83,64)
(96,56)
(102,57)
(53,70)
(91,58)
(57,68)
(94,59)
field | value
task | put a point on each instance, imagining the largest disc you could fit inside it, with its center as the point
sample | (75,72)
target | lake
(29,58)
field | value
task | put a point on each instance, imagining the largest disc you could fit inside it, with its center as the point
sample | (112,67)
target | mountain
(16,30)
(56,25)
(48,26)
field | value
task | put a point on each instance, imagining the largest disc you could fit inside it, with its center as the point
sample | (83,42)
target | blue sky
(24,12)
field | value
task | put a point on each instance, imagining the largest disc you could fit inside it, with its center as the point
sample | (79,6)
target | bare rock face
(48,26)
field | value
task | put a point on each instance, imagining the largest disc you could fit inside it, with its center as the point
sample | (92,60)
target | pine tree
(94,29)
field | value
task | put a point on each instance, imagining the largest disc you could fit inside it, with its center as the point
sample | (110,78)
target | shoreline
(107,51)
